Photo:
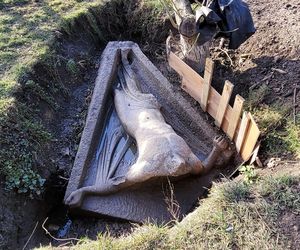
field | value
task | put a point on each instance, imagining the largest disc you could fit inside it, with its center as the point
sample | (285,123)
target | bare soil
(290,227)
(275,45)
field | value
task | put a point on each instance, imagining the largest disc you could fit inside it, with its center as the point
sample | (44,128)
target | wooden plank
(185,71)
(208,74)
(193,85)
(213,102)
(242,131)
(192,88)
(227,90)
(254,153)
(235,116)
(250,140)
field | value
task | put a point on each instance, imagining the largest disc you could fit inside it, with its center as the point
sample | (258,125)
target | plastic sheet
(237,23)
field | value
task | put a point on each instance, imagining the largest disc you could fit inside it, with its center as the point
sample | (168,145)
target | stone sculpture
(161,152)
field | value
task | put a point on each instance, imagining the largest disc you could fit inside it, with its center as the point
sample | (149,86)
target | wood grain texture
(242,131)
(193,83)
(185,71)
(250,139)
(208,74)
(227,90)
(255,153)
(235,116)
(192,88)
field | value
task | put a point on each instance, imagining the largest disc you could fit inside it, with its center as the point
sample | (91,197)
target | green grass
(20,143)
(26,33)
(235,215)
(280,134)
(26,28)
(28,37)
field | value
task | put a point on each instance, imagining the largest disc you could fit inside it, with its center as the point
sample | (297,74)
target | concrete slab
(145,201)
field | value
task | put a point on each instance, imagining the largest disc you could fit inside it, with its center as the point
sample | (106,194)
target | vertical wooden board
(250,139)
(237,130)
(255,153)
(208,74)
(227,90)
(242,131)
(235,116)
(213,102)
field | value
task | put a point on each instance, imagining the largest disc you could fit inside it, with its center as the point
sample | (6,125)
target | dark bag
(237,23)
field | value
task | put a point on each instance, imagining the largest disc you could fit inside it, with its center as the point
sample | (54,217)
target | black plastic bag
(237,23)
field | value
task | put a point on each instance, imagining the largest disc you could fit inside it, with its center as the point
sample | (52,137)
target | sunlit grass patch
(280,134)
(34,69)
(235,215)
(26,30)
(256,97)
(292,138)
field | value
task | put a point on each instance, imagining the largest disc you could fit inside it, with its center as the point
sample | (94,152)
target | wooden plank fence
(244,132)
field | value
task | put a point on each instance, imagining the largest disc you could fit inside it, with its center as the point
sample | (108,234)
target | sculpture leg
(113,185)
(221,149)
(138,173)
(75,199)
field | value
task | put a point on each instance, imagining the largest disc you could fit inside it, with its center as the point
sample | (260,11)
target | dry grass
(281,136)
(235,215)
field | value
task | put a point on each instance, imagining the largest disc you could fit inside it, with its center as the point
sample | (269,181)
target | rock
(272,162)
(279,71)
(65,151)
(277,90)
(229,228)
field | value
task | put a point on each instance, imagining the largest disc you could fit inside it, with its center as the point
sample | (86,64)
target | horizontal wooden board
(191,88)
(193,83)
(185,71)
(244,132)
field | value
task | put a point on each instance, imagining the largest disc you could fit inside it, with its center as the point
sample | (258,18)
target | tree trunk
(193,54)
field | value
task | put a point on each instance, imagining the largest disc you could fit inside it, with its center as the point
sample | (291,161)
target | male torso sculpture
(161,152)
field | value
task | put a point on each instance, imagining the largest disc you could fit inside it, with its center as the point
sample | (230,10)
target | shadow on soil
(279,77)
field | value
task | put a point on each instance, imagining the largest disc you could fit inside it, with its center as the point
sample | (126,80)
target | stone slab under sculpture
(124,161)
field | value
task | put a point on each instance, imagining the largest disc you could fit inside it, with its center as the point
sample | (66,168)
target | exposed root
(54,238)
(32,233)
(226,53)
(172,204)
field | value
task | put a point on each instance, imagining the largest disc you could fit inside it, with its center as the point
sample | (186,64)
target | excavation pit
(158,199)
